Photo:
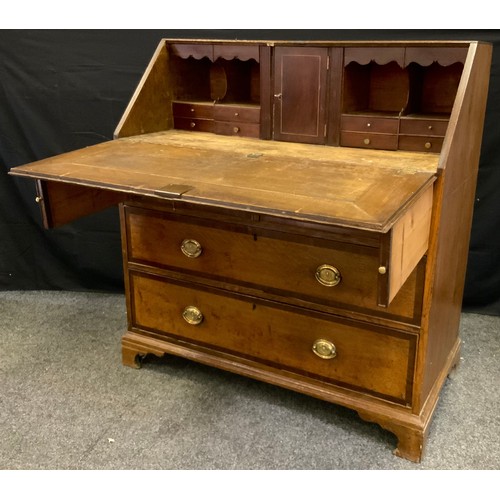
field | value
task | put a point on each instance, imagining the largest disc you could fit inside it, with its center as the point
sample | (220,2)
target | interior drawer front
(420,143)
(193,110)
(194,124)
(369,124)
(272,265)
(368,140)
(416,126)
(379,362)
(237,129)
(241,114)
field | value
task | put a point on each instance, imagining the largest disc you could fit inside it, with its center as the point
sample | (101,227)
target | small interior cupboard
(295,212)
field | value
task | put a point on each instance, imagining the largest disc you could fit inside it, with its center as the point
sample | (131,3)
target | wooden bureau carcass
(295,212)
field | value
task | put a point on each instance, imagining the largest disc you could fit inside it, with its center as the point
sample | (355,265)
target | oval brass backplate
(191,248)
(192,315)
(328,275)
(324,349)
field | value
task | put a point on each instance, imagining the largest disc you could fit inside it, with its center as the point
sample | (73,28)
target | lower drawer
(375,361)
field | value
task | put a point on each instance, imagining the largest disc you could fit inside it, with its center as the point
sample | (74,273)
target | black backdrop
(66,89)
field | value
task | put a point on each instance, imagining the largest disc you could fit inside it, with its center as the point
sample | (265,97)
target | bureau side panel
(450,233)
(149,109)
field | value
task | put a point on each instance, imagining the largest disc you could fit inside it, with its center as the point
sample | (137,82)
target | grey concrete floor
(66,402)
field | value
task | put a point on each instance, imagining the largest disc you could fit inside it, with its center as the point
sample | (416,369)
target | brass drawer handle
(324,349)
(328,275)
(192,315)
(428,145)
(191,248)
(366,141)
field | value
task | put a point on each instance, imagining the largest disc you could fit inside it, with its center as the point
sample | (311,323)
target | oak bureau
(295,212)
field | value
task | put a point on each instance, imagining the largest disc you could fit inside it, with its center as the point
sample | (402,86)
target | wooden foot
(410,444)
(135,348)
(131,357)
(411,435)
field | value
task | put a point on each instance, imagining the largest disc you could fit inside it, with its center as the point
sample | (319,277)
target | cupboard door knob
(368,124)
(192,315)
(430,127)
(236,129)
(366,141)
(38,199)
(192,124)
(278,96)
(324,349)
(328,275)
(427,145)
(236,114)
(191,248)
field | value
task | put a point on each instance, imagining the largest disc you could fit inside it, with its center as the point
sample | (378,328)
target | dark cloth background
(62,90)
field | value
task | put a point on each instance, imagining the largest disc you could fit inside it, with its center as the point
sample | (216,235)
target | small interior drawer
(341,352)
(194,124)
(193,110)
(237,129)
(420,143)
(240,114)
(426,127)
(367,123)
(368,140)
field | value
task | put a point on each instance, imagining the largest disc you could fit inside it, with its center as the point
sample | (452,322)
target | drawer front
(376,362)
(193,110)
(368,140)
(416,126)
(237,129)
(420,143)
(368,123)
(270,264)
(194,124)
(240,114)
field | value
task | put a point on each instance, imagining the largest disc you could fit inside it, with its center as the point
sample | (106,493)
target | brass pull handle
(366,141)
(191,248)
(192,124)
(427,145)
(324,349)
(328,275)
(192,315)
(236,129)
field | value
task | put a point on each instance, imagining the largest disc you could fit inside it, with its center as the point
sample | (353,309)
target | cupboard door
(300,80)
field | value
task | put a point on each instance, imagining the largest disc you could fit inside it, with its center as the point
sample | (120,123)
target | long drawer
(331,273)
(349,354)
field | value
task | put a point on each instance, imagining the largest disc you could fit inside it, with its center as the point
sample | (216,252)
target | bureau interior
(384,82)
(390,90)
(220,80)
